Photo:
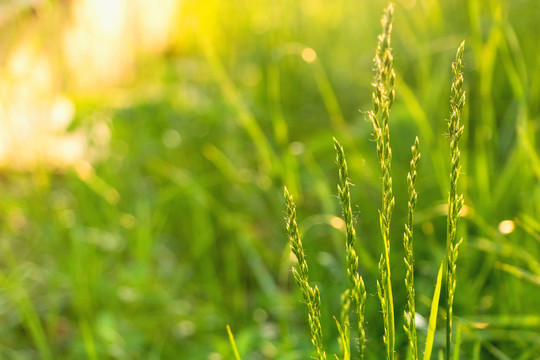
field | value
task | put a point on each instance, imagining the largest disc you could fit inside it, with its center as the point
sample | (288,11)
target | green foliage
(196,239)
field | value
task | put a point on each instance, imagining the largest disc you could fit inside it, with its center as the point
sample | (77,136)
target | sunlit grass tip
(410,312)
(357,290)
(383,98)
(233,343)
(455,200)
(311,294)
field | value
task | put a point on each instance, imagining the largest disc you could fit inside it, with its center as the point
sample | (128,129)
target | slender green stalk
(455,200)
(88,340)
(410,323)
(358,290)
(430,337)
(311,295)
(458,342)
(233,343)
(383,98)
(344,326)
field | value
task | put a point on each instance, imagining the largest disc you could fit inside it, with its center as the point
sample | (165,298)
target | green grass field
(179,230)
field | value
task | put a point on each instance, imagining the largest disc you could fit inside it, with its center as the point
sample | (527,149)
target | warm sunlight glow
(104,36)
(33,116)
(97,42)
(156,23)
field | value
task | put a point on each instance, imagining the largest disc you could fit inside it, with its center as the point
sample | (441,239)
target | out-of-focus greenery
(179,230)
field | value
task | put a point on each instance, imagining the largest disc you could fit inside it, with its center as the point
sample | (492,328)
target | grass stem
(410,313)
(455,200)
(383,98)
(311,294)
(358,290)
(233,343)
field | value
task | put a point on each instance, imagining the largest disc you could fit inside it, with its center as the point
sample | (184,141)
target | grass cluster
(383,98)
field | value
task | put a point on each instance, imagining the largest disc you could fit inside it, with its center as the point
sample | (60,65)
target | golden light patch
(506,226)
(337,223)
(309,55)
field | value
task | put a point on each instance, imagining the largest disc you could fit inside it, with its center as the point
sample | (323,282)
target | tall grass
(311,294)
(166,242)
(357,292)
(455,200)
(383,98)
(410,312)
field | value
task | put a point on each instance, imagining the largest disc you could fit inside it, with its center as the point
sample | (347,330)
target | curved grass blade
(457,345)
(344,339)
(433,315)
(233,343)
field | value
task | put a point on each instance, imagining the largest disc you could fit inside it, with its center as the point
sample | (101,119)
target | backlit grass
(178,231)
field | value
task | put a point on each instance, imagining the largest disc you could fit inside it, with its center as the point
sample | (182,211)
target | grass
(357,292)
(455,200)
(195,240)
(383,98)
(410,311)
(312,296)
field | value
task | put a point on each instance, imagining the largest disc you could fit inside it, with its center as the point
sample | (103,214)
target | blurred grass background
(142,172)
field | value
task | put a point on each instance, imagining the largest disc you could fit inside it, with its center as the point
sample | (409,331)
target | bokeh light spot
(337,223)
(296,148)
(171,138)
(309,55)
(506,226)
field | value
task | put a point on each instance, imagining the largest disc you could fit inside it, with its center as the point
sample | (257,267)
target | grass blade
(433,316)
(476,350)
(458,342)
(233,343)
(344,339)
